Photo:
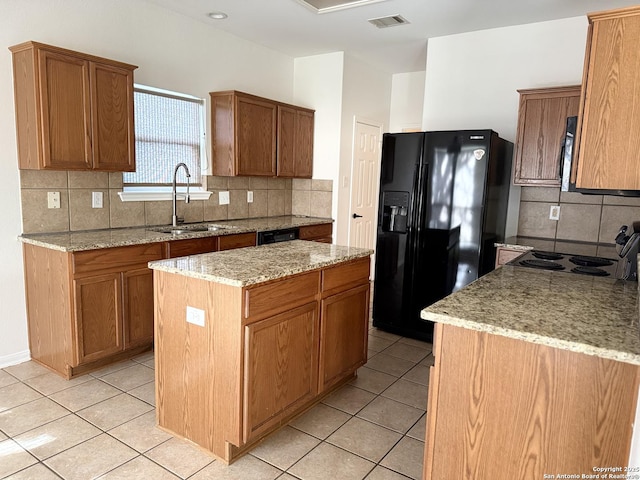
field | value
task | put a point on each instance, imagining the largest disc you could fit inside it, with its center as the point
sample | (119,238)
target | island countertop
(590,315)
(251,265)
(119,237)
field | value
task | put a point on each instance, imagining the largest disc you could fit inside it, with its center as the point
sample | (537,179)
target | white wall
(407,101)
(472,78)
(366,96)
(172,52)
(318,85)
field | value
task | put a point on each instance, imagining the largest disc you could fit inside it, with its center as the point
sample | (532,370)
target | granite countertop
(560,246)
(119,237)
(251,265)
(591,315)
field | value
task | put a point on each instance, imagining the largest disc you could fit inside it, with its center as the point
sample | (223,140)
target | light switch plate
(195,316)
(554,212)
(96,199)
(249,197)
(223,198)
(53,199)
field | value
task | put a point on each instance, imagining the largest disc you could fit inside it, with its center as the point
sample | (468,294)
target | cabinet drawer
(311,232)
(239,240)
(352,273)
(280,295)
(191,246)
(115,258)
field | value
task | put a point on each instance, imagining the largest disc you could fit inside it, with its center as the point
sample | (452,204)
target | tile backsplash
(271,197)
(586,218)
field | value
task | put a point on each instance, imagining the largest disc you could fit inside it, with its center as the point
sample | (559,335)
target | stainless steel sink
(184,229)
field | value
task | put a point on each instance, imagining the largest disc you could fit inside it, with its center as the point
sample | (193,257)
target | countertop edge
(532,337)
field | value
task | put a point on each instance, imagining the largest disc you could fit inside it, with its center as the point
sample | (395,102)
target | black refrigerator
(442,206)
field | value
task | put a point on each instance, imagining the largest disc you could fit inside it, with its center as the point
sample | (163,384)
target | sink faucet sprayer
(173,192)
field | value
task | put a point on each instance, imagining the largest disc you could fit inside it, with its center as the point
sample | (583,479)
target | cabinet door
(295,142)
(609,144)
(280,367)
(343,335)
(542,120)
(255,136)
(112,118)
(65,111)
(137,286)
(98,316)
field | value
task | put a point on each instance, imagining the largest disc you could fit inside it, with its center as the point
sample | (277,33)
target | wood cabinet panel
(281,365)
(115,258)
(191,246)
(73,111)
(66,111)
(542,119)
(113,133)
(349,274)
(239,240)
(343,335)
(610,107)
(137,289)
(271,298)
(257,136)
(318,233)
(98,316)
(509,409)
(295,142)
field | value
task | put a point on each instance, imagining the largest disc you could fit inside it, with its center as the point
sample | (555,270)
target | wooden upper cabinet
(295,142)
(542,119)
(610,107)
(73,111)
(257,136)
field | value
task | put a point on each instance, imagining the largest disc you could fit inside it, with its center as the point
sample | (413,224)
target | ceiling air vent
(325,6)
(390,21)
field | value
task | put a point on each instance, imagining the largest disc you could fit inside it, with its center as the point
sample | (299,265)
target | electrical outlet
(223,198)
(554,212)
(53,199)
(195,316)
(96,199)
(249,197)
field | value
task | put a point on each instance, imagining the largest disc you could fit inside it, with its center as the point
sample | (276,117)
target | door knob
(355,215)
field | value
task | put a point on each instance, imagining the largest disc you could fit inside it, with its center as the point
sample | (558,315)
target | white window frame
(152,193)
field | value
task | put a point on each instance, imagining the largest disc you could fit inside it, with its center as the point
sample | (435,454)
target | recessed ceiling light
(218,15)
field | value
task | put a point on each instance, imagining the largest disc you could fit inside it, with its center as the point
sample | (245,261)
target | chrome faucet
(174,196)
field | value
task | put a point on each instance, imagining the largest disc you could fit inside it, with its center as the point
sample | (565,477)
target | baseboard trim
(15,358)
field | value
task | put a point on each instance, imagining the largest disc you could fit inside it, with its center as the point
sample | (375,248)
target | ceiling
(289,27)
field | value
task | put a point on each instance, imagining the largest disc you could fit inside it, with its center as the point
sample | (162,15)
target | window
(169,129)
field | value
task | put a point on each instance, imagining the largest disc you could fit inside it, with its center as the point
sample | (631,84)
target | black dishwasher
(275,236)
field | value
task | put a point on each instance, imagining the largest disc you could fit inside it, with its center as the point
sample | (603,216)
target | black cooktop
(563,262)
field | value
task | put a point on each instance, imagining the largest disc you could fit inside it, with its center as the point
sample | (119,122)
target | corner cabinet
(256,136)
(610,106)
(73,111)
(542,119)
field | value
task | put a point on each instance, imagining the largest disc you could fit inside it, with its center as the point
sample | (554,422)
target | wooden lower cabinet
(343,336)
(281,367)
(501,408)
(265,353)
(317,233)
(137,287)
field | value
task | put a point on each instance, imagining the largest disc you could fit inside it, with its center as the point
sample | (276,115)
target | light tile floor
(102,425)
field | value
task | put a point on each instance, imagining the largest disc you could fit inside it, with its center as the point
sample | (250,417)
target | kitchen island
(536,373)
(247,339)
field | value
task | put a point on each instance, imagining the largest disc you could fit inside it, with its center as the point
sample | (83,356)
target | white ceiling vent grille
(390,21)
(326,6)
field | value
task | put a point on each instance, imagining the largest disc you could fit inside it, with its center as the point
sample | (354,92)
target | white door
(365,178)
